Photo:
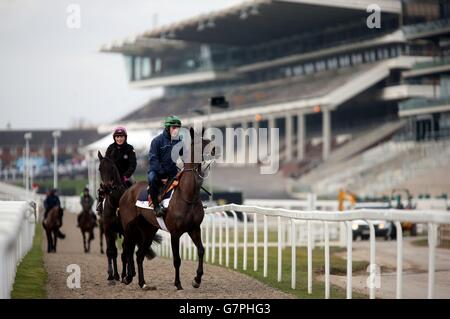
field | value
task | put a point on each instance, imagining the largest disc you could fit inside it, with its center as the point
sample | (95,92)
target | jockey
(123,156)
(86,199)
(161,165)
(50,201)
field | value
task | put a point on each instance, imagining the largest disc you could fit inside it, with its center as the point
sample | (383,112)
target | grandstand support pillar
(229,143)
(288,138)
(326,133)
(301,132)
(243,149)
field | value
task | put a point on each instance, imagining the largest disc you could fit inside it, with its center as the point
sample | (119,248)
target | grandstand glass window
(332,63)
(146,67)
(158,65)
(298,70)
(309,68)
(129,66)
(344,61)
(137,68)
(320,65)
(357,58)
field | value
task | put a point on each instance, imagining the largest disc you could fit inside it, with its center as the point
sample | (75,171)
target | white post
(431,259)
(213,241)
(255,242)
(293,255)
(227,242)
(220,239)
(308,225)
(245,241)
(265,247)
(398,227)
(327,261)
(301,131)
(372,261)
(207,238)
(279,249)
(235,240)
(349,258)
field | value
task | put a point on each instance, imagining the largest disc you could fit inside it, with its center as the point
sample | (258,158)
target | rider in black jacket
(123,156)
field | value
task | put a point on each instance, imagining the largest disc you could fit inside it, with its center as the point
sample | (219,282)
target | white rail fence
(17,227)
(222,232)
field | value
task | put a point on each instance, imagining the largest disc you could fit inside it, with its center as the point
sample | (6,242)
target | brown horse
(101,233)
(113,188)
(87,224)
(51,224)
(184,214)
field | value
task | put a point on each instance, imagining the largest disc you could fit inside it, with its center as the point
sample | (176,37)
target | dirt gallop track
(217,282)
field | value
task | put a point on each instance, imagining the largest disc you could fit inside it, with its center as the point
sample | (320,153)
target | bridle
(197,170)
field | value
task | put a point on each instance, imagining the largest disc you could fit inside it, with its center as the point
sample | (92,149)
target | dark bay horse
(184,214)
(51,225)
(114,189)
(101,233)
(87,224)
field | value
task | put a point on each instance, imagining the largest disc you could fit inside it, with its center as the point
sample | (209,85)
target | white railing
(17,227)
(217,216)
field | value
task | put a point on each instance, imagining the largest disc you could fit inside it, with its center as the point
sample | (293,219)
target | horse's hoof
(195,284)
(147,287)
(127,280)
(117,277)
(111,283)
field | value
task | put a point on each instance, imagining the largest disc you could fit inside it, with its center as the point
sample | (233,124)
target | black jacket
(159,156)
(124,157)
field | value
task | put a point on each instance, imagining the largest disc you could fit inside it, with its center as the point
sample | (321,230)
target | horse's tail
(150,253)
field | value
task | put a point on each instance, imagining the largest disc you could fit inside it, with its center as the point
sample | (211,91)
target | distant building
(12,145)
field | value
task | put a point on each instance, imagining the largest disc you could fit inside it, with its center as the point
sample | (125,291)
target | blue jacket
(160,160)
(51,201)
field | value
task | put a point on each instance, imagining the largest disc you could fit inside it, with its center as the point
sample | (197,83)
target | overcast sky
(51,76)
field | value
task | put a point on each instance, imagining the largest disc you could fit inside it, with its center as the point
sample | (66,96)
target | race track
(217,282)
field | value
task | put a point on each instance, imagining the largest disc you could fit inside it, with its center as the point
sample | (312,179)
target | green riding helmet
(172,121)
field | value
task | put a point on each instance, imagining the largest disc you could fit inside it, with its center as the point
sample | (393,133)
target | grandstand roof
(253,22)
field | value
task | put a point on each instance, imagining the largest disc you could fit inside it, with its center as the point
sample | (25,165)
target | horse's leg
(197,239)
(124,257)
(101,237)
(84,240)
(55,239)
(111,252)
(49,240)
(175,239)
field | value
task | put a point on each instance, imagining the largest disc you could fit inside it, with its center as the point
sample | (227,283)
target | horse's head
(199,142)
(109,173)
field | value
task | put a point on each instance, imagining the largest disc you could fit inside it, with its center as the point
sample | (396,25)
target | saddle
(165,192)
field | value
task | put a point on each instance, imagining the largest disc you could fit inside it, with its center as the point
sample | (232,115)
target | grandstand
(333,86)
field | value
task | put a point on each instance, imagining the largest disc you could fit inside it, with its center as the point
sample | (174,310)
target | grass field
(424,243)
(31,276)
(337,267)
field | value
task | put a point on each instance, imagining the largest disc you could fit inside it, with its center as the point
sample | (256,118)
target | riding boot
(159,211)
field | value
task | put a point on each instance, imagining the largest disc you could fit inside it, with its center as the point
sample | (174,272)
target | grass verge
(31,276)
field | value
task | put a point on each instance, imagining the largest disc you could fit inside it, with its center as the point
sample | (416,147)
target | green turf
(445,243)
(31,276)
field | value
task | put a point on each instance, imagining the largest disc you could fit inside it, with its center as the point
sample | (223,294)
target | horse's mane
(116,175)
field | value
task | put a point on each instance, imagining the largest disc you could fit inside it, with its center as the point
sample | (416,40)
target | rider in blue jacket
(161,166)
